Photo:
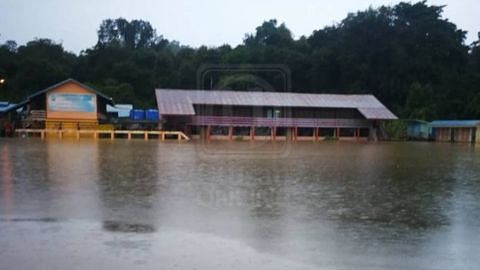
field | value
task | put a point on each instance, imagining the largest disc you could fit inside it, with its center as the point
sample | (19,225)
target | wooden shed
(65,105)
(463,131)
(418,130)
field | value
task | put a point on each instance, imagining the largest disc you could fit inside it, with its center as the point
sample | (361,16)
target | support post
(42,134)
(295,133)
(78,135)
(208,133)
(289,134)
(230,133)
(112,135)
(274,133)
(252,133)
(337,133)
(315,134)
(163,136)
(129,136)
(145,136)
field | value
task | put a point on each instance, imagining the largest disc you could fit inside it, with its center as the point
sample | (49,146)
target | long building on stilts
(247,115)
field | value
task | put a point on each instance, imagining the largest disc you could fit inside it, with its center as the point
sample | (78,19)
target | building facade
(270,115)
(463,131)
(418,130)
(65,105)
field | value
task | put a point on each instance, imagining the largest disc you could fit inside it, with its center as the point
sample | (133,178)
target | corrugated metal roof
(180,102)
(455,123)
(416,121)
(377,113)
(108,99)
(5,106)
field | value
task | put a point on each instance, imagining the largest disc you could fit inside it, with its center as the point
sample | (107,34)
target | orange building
(66,105)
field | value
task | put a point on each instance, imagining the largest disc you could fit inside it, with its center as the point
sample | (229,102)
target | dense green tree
(385,51)
(34,66)
(131,34)
(408,55)
(269,34)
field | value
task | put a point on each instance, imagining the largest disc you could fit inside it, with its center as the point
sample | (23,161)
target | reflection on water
(127,187)
(45,219)
(115,226)
(332,205)
(7,178)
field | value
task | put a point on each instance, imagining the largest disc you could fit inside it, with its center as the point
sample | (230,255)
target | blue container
(152,115)
(137,115)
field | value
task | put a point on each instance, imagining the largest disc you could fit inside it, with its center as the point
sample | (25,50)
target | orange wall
(76,89)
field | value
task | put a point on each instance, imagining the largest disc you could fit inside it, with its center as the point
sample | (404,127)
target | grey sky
(206,22)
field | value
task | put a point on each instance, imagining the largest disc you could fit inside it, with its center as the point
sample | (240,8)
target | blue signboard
(62,102)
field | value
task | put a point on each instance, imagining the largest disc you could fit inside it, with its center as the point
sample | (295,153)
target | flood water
(150,205)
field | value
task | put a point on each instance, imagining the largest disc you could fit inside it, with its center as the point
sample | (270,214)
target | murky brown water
(150,205)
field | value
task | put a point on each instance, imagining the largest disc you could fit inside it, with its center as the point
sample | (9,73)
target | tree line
(407,55)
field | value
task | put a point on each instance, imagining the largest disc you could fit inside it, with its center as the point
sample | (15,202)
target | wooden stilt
(337,134)
(295,133)
(208,133)
(274,134)
(315,134)
(145,136)
(230,133)
(252,133)
(43,133)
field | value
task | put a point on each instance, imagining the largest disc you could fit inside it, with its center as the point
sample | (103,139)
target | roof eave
(99,94)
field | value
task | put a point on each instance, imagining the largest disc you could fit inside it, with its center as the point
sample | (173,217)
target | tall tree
(408,55)
(131,34)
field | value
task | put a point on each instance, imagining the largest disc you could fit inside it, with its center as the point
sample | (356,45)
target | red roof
(180,102)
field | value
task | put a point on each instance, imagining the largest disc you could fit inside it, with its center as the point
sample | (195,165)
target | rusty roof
(180,101)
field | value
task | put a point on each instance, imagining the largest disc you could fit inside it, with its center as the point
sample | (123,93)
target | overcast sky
(194,23)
